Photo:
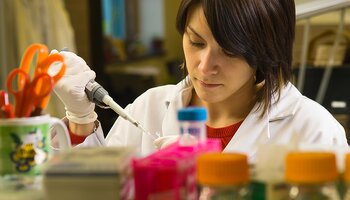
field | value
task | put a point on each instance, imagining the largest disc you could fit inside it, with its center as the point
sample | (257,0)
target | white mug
(25,143)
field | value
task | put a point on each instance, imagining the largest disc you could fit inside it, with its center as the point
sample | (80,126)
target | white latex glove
(164,141)
(71,89)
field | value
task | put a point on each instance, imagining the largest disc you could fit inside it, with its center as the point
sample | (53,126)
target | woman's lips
(208,85)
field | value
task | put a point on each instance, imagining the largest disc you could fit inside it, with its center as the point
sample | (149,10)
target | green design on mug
(23,148)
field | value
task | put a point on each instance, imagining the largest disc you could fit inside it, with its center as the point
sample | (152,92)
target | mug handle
(62,133)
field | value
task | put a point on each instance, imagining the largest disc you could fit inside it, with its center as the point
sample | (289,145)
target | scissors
(42,65)
(28,94)
(6,110)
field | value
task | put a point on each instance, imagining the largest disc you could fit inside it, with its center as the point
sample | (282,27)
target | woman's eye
(196,44)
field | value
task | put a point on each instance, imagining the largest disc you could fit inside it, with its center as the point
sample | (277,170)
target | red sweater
(75,139)
(225,134)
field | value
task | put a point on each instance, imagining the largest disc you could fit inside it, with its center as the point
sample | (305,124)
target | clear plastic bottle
(311,175)
(223,176)
(192,125)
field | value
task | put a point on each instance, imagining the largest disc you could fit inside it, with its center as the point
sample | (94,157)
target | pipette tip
(154,136)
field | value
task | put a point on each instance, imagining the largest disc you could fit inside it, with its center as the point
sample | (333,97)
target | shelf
(306,9)
(137,59)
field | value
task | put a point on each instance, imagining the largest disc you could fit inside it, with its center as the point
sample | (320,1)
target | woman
(238,57)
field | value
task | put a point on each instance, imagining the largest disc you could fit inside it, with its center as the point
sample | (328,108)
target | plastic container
(192,125)
(170,171)
(311,175)
(223,176)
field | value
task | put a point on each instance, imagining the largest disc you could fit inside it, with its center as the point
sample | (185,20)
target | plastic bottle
(223,176)
(311,175)
(192,125)
(347,177)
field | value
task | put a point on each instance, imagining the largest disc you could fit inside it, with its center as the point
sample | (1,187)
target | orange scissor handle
(29,54)
(42,85)
(28,94)
(43,62)
(17,92)
(23,80)
(44,65)
(39,89)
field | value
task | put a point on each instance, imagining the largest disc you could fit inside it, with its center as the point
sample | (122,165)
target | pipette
(97,94)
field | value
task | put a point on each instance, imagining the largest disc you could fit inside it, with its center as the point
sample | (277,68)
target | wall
(172,40)
(151,20)
(172,43)
(79,15)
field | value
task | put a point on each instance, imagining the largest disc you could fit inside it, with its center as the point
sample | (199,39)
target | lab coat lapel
(175,101)
(170,125)
(252,132)
(255,131)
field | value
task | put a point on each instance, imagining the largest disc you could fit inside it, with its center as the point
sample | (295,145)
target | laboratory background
(133,45)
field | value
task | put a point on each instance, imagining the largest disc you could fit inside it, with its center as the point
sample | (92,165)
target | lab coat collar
(255,130)
(178,99)
(182,95)
(284,108)
(287,104)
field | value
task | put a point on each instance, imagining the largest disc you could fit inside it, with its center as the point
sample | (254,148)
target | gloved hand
(71,88)
(164,141)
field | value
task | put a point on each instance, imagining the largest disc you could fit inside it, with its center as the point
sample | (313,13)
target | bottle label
(195,131)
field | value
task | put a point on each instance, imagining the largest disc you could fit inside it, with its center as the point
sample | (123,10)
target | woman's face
(216,75)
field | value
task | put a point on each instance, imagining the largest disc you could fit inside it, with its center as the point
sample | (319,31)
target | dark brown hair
(260,31)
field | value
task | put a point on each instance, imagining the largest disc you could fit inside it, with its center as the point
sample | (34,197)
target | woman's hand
(71,89)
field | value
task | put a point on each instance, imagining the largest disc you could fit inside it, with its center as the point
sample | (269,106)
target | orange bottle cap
(310,167)
(347,168)
(221,169)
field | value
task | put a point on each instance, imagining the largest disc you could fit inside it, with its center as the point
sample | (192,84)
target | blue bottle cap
(192,114)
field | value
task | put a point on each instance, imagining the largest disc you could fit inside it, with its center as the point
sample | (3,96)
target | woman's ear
(254,76)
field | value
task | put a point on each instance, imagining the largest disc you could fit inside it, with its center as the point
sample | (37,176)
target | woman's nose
(209,62)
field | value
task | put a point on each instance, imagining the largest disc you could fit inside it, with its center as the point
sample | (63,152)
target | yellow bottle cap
(347,168)
(220,169)
(310,167)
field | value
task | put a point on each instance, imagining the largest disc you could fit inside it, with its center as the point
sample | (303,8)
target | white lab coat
(293,118)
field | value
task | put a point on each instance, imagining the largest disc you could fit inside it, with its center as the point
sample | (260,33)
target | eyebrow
(194,32)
